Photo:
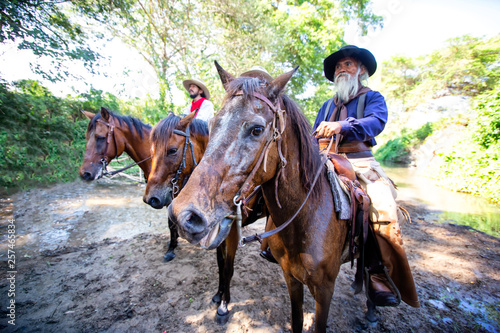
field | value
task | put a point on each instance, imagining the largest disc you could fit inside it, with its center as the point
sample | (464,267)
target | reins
(266,234)
(112,173)
(278,127)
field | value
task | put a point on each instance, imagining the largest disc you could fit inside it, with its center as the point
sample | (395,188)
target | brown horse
(108,136)
(177,144)
(260,137)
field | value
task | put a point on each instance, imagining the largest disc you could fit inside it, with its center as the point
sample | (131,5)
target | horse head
(176,146)
(243,152)
(102,145)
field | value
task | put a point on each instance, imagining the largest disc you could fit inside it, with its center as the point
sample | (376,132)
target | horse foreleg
(370,315)
(221,257)
(323,298)
(296,292)
(231,247)
(169,255)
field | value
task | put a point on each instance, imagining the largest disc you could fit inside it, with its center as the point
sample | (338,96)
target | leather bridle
(105,160)
(182,166)
(275,135)
(111,135)
(278,127)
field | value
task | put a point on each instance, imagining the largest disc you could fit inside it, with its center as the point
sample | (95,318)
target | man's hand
(327,128)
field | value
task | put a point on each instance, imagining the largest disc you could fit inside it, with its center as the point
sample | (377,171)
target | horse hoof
(222,319)
(217,299)
(371,319)
(168,256)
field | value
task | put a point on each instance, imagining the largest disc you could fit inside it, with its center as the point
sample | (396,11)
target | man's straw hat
(199,83)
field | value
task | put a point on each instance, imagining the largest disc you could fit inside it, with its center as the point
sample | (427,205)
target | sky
(419,27)
(411,28)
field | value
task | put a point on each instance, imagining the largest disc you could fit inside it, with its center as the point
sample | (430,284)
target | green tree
(399,75)
(42,137)
(181,39)
(48,30)
(486,123)
(467,66)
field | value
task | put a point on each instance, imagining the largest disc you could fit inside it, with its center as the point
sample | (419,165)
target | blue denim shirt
(365,129)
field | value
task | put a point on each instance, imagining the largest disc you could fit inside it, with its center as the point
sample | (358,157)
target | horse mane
(131,122)
(309,157)
(164,129)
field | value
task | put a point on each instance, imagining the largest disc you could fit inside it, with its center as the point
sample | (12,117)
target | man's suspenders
(360,110)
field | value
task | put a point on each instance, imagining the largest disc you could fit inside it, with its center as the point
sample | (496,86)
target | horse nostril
(155,203)
(87,176)
(195,224)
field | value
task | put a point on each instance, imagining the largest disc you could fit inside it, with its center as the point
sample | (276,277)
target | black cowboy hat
(363,55)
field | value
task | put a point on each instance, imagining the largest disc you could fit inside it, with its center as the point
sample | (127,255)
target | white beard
(347,85)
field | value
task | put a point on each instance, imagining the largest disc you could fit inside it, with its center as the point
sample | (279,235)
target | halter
(182,166)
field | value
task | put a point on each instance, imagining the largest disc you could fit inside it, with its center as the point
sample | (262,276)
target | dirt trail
(89,259)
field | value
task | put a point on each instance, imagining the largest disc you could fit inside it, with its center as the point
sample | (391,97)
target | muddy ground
(89,259)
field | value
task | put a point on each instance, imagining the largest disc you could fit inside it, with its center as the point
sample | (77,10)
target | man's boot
(380,289)
(266,254)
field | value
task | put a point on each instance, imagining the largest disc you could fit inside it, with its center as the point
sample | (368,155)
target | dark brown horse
(260,137)
(177,144)
(108,136)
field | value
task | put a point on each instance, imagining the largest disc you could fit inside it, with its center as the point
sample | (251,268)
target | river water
(448,206)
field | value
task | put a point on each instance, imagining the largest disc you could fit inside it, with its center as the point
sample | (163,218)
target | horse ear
(278,84)
(105,113)
(225,77)
(87,114)
(184,122)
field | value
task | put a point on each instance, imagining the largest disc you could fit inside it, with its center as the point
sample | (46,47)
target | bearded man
(353,117)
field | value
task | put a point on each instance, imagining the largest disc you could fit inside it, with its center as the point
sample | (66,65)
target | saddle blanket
(341,197)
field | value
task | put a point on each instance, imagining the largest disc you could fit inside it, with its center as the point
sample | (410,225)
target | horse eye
(172,151)
(257,130)
(100,138)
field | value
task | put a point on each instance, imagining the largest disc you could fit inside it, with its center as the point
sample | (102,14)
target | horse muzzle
(217,235)
(193,228)
(92,173)
(158,199)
